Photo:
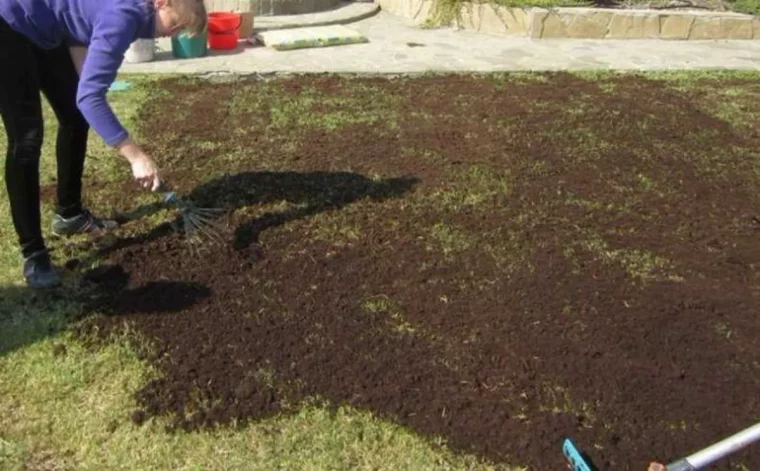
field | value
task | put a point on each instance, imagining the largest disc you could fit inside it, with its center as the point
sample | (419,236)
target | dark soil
(608,293)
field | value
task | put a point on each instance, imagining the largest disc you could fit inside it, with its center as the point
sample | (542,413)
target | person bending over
(70,51)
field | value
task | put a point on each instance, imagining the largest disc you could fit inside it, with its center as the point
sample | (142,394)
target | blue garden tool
(698,460)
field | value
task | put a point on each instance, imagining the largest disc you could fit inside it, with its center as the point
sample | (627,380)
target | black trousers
(26,71)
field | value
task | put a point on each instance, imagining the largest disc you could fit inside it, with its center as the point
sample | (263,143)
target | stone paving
(396,45)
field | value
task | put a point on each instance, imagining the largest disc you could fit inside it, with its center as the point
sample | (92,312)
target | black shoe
(84,223)
(39,271)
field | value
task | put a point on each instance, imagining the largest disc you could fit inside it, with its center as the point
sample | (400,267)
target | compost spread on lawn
(502,262)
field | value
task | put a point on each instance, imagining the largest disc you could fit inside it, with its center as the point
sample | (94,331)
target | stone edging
(588,23)
(347,12)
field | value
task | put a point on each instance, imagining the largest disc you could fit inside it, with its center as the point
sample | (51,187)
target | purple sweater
(107,27)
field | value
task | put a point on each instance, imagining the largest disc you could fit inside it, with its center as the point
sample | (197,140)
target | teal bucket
(185,47)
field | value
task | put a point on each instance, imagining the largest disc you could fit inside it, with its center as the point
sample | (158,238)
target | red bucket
(224,30)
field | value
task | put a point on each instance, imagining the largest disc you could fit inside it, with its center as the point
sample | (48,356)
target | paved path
(459,50)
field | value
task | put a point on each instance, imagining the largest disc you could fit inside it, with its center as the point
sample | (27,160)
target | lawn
(432,272)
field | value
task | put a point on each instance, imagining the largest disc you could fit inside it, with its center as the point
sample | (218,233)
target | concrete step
(347,12)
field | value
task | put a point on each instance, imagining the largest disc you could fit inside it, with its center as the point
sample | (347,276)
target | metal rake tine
(203,218)
(192,231)
(212,225)
(205,208)
(206,229)
(188,229)
(209,229)
(209,216)
(209,211)
(193,220)
(213,235)
(189,221)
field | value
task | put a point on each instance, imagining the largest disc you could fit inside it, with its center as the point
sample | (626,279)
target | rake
(693,462)
(195,220)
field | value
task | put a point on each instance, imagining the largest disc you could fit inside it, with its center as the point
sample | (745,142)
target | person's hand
(145,172)
(144,169)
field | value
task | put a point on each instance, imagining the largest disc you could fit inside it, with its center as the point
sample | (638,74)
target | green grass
(751,7)
(476,187)
(639,264)
(312,110)
(383,305)
(559,401)
(450,239)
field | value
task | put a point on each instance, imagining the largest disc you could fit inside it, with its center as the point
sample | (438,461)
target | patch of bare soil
(609,294)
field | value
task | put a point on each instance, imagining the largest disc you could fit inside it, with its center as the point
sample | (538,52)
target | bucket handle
(240,23)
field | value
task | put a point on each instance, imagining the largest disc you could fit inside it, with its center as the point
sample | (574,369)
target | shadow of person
(307,193)
(28,315)
(107,292)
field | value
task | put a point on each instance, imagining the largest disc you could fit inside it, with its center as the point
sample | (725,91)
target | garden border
(587,23)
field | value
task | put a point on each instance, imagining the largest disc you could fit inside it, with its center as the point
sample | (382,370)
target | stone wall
(591,23)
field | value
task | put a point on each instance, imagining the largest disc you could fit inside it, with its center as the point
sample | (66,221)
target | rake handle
(732,444)
(169,195)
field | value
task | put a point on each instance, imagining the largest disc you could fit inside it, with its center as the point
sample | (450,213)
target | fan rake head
(198,222)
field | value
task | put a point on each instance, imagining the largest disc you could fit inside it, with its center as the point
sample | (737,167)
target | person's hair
(192,12)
